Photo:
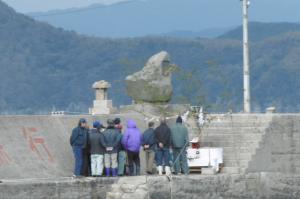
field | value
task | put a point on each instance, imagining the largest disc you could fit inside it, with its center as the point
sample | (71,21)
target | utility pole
(246,65)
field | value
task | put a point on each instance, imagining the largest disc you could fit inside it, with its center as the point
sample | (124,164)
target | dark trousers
(86,164)
(133,161)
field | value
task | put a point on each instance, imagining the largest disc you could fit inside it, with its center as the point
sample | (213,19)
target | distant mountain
(259,31)
(45,68)
(208,33)
(136,18)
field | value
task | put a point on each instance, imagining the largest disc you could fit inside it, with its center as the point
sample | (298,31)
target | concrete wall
(279,148)
(256,142)
(258,185)
(38,146)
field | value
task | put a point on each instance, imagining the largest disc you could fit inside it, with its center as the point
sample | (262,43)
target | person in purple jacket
(132,142)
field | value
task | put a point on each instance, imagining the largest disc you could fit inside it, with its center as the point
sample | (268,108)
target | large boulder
(153,84)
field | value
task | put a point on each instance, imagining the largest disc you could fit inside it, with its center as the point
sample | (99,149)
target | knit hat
(110,122)
(96,124)
(117,121)
(82,120)
(179,119)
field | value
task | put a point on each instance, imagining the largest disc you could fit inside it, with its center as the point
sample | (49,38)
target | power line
(68,12)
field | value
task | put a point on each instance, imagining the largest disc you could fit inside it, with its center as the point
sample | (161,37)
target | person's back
(132,143)
(94,140)
(132,137)
(110,139)
(149,147)
(180,140)
(162,134)
(96,149)
(179,135)
(148,139)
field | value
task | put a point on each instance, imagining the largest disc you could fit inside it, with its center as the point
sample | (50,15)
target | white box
(205,157)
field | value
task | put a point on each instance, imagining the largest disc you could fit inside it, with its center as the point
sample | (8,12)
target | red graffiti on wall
(4,158)
(35,142)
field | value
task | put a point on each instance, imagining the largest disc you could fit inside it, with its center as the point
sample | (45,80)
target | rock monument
(101,104)
(153,84)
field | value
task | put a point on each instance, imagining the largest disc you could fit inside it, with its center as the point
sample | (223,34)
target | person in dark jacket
(132,144)
(111,140)
(121,150)
(149,147)
(162,136)
(180,140)
(96,149)
(78,141)
(86,155)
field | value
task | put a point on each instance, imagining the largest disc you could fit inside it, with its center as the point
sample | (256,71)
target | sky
(26,6)
(183,15)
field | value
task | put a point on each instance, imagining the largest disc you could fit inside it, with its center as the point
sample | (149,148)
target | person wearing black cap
(78,141)
(180,139)
(96,149)
(111,140)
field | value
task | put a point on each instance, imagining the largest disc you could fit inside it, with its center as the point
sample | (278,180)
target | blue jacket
(132,137)
(148,139)
(79,137)
(111,138)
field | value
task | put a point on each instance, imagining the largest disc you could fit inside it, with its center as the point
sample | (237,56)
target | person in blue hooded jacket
(78,141)
(132,143)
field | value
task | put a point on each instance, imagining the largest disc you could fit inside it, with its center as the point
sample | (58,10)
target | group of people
(112,151)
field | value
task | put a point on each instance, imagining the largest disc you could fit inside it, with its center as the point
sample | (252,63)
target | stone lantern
(101,104)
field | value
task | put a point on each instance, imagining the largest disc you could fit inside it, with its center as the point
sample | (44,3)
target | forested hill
(259,31)
(45,68)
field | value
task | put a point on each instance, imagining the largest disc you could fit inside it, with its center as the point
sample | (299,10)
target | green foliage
(44,67)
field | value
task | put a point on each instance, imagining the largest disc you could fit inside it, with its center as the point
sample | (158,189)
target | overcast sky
(45,5)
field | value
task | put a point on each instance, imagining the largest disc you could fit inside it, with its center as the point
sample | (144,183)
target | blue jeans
(162,157)
(121,162)
(181,164)
(77,150)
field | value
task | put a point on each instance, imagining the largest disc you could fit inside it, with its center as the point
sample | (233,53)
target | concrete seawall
(38,146)
(36,160)
(252,186)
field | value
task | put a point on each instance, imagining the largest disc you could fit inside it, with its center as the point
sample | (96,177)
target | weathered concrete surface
(279,148)
(38,146)
(255,185)
(256,142)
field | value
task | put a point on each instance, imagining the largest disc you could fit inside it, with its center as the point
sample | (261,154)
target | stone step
(232,132)
(234,129)
(238,156)
(236,163)
(238,120)
(226,143)
(233,136)
(233,170)
(240,150)
(239,117)
(241,126)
